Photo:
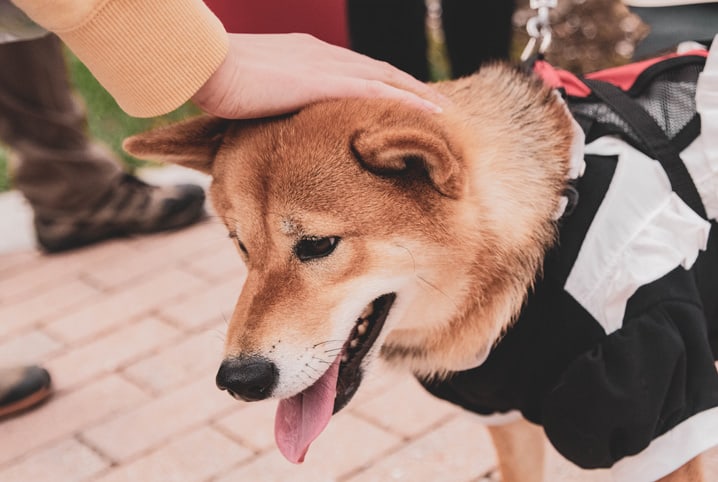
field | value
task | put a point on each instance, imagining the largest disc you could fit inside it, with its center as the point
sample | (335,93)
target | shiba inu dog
(370,229)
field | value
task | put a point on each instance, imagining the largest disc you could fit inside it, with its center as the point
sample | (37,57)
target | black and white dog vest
(613,352)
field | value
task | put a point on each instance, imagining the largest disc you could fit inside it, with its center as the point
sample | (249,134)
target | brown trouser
(55,165)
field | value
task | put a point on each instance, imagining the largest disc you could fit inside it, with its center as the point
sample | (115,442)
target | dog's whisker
(321,361)
(224,317)
(327,341)
(219,334)
(424,280)
(411,255)
(431,285)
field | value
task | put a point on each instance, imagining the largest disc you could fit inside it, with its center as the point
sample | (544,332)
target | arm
(150,55)
(154,55)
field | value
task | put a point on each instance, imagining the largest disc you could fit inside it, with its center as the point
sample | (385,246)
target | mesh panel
(603,114)
(669,99)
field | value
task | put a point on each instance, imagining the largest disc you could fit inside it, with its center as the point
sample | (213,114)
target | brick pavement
(132,331)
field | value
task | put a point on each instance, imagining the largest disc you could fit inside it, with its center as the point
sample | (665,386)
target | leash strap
(654,141)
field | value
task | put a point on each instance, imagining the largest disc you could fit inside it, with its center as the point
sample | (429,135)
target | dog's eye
(312,248)
(239,244)
(242,248)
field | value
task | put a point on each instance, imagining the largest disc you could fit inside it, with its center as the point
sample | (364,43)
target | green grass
(107,123)
(4,181)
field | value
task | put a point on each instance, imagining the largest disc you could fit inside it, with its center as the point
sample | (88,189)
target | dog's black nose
(249,378)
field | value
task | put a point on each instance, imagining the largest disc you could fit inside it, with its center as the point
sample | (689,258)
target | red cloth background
(325,19)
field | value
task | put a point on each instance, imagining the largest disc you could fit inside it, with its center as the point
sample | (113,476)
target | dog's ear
(192,143)
(394,150)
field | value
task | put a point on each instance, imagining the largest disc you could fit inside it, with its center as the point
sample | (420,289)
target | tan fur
(520,449)
(515,138)
(453,210)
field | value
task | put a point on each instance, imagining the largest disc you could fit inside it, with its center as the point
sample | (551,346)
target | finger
(362,88)
(339,61)
(388,74)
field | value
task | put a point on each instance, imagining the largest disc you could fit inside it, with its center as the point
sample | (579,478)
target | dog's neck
(518,140)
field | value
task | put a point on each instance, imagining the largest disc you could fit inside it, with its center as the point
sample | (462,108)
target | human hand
(272,74)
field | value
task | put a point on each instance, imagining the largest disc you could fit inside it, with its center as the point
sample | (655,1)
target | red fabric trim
(623,76)
(561,78)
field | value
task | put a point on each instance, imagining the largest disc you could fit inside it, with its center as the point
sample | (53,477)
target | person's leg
(57,167)
(476,31)
(78,192)
(391,30)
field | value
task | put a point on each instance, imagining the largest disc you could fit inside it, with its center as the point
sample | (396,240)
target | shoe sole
(26,403)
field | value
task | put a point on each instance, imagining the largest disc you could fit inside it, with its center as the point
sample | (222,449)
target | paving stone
(29,347)
(46,304)
(109,352)
(161,251)
(65,415)
(178,245)
(139,430)
(252,424)
(194,356)
(406,409)
(212,304)
(223,262)
(65,461)
(58,268)
(191,457)
(377,382)
(348,444)
(13,261)
(459,450)
(117,308)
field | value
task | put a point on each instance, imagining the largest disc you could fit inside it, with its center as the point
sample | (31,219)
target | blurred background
(588,35)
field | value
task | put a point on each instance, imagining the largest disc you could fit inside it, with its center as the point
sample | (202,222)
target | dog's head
(342,214)
(371,228)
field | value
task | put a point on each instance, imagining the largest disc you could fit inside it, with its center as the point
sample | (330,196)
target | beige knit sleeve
(151,55)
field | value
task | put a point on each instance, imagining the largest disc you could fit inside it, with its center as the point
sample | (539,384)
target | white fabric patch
(671,450)
(701,157)
(641,232)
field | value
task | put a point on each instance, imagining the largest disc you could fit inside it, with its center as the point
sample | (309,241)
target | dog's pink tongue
(301,418)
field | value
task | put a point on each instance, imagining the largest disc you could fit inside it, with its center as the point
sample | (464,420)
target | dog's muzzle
(247,378)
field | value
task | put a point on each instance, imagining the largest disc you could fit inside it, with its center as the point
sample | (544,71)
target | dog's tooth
(345,358)
(353,343)
(361,329)
(367,311)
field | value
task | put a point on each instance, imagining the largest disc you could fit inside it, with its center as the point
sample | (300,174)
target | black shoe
(22,388)
(131,207)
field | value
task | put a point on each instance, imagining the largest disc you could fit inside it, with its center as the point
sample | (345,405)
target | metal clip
(538,28)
